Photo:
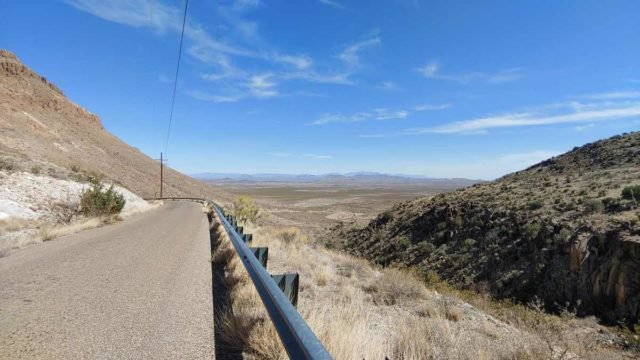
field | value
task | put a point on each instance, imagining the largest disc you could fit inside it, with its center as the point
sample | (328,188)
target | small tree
(244,209)
(96,201)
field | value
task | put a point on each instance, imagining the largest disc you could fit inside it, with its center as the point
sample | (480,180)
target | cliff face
(38,123)
(559,232)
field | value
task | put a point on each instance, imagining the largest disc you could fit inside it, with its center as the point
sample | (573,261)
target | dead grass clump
(291,234)
(454,313)
(222,255)
(12,224)
(50,231)
(394,286)
(64,211)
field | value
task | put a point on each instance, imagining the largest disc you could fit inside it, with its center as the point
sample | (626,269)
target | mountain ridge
(40,126)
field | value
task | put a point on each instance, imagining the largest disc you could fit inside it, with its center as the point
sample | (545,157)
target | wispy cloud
(432,70)
(351,55)
(427,107)
(260,86)
(375,115)
(546,115)
(389,86)
(300,156)
(221,53)
(614,95)
(333,3)
(246,4)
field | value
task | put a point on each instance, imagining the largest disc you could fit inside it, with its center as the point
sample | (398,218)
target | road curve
(139,289)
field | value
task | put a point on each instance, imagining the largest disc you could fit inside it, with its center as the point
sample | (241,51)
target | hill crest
(558,232)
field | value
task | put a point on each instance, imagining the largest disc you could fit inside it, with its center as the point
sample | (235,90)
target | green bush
(96,201)
(245,210)
(535,204)
(631,192)
(594,206)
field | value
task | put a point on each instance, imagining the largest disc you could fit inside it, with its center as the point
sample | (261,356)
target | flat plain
(315,206)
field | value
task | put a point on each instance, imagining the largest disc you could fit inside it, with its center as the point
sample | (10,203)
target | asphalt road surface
(138,289)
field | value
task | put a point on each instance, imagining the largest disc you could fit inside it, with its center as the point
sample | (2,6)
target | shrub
(532,230)
(535,204)
(244,209)
(6,165)
(631,192)
(404,242)
(290,235)
(593,206)
(96,201)
(64,211)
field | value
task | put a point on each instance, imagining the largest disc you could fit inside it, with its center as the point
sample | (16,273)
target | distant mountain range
(362,177)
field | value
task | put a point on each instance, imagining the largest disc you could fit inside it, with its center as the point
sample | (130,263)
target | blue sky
(439,88)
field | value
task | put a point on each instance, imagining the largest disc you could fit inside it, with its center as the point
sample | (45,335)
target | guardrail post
(262,253)
(248,238)
(288,283)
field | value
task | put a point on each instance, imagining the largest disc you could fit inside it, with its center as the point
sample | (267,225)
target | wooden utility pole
(162,161)
(161,173)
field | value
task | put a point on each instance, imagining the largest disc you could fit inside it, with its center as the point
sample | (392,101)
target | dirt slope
(559,233)
(39,124)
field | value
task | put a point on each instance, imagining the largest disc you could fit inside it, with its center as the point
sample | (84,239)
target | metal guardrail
(297,338)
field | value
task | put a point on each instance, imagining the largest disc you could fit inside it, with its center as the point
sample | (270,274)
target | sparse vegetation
(631,192)
(96,201)
(245,210)
(532,231)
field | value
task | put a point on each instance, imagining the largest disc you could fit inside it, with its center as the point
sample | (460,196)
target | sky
(472,89)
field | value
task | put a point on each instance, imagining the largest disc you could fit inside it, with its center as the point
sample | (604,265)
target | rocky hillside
(39,126)
(559,233)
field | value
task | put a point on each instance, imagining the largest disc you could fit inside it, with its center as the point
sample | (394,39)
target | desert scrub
(245,210)
(96,201)
(631,192)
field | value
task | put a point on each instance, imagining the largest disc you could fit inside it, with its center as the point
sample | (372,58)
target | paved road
(139,289)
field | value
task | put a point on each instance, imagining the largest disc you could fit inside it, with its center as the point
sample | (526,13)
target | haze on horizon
(313,87)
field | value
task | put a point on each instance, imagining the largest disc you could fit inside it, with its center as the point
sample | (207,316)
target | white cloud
(221,55)
(333,3)
(545,115)
(301,62)
(614,95)
(389,86)
(262,86)
(312,76)
(241,5)
(351,55)
(516,120)
(431,70)
(198,95)
(426,107)
(373,115)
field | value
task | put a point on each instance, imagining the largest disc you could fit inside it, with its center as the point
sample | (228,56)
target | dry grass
(12,224)
(50,231)
(360,312)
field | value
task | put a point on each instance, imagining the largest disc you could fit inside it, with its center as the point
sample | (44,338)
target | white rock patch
(28,196)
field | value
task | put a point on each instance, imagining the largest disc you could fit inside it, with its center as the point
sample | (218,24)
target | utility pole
(162,161)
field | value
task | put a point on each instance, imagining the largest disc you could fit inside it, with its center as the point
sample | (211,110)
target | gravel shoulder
(136,289)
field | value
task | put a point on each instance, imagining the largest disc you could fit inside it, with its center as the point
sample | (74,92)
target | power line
(175,81)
